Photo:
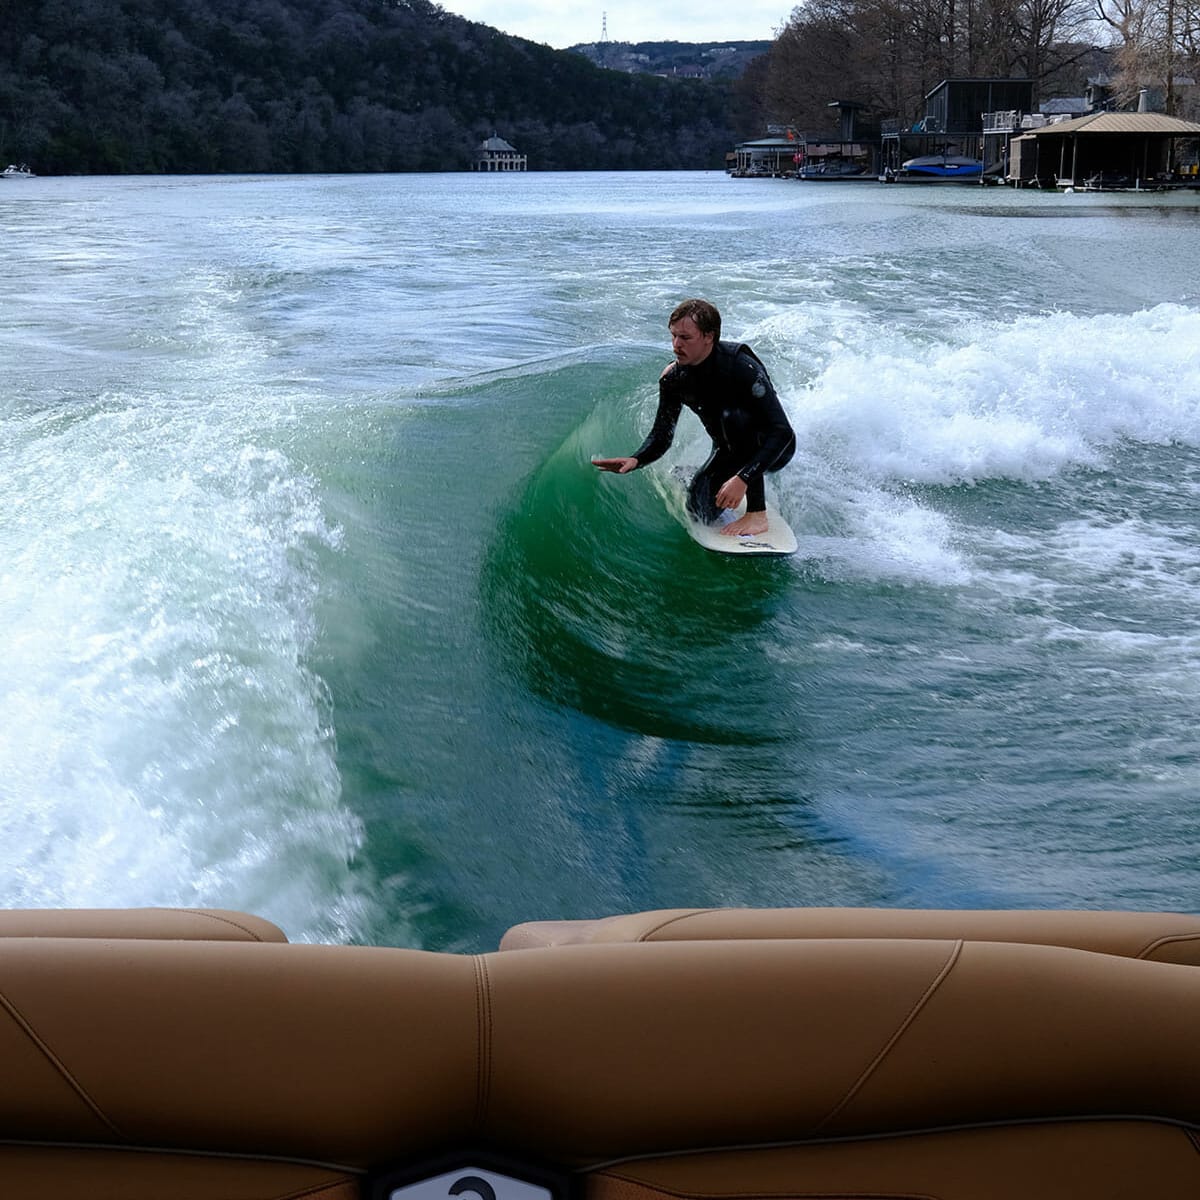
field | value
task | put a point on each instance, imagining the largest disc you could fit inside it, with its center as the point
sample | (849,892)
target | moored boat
(16,171)
(944,166)
(834,169)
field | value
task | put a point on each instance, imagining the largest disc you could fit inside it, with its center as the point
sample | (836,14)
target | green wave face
(600,601)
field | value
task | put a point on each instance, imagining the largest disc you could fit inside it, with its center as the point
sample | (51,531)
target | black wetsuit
(732,394)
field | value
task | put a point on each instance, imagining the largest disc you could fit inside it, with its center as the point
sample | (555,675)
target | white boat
(691,1054)
(834,168)
(16,171)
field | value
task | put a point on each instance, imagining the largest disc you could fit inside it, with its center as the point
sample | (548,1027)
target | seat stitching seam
(44,1049)
(483,1011)
(768,1193)
(1165,940)
(647,934)
(877,1061)
(211,916)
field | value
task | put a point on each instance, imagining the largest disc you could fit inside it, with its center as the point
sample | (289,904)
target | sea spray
(881,423)
(163,736)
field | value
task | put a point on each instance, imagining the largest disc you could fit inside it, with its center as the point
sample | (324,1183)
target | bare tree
(1156,44)
(1045,34)
(889,54)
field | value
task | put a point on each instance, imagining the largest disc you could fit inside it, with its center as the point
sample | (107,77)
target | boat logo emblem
(474,1177)
(473,1184)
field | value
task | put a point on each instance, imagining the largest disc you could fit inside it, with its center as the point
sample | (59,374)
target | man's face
(689,345)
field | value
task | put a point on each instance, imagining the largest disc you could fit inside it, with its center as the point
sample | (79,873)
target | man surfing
(728,388)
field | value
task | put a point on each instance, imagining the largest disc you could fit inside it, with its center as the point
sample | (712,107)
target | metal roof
(1121,122)
(1064,104)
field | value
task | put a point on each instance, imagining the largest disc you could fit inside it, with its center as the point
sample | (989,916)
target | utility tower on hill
(602,46)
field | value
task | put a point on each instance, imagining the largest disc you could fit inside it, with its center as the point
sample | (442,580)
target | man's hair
(707,319)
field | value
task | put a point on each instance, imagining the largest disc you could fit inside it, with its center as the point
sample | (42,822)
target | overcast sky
(562,23)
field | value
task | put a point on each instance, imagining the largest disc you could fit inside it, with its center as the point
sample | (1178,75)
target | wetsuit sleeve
(662,432)
(757,396)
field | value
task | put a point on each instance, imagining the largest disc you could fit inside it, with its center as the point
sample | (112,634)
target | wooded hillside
(179,86)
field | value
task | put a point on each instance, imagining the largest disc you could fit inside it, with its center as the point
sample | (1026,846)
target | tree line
(185,86)
(889,54)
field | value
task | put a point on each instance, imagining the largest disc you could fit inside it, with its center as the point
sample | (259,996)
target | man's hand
(732,493)
(621,466)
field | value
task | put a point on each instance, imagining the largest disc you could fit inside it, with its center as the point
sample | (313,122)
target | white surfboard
(779,538)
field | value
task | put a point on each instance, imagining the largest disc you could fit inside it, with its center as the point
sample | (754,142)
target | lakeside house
(495,154)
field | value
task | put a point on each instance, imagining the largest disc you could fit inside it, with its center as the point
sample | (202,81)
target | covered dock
(850,153)
(951,129)
(1108,152)
(771,157)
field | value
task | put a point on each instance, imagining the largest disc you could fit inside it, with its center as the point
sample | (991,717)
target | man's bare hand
(732,492)
(620,466)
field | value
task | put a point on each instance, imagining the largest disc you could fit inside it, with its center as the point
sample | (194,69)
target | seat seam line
(901,1029)
(44,1049)
(483,1017)
(647,934)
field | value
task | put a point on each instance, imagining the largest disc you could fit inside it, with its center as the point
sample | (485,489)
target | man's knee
(701,499)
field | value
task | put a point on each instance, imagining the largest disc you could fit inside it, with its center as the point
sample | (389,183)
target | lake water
(311,604)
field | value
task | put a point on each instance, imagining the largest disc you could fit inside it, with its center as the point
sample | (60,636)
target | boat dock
(979,131)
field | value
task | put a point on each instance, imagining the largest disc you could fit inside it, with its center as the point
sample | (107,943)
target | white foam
(881,416)
(163,736)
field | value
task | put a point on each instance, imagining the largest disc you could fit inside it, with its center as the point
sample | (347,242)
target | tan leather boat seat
(190,924)
(1163,937)
(748,1067)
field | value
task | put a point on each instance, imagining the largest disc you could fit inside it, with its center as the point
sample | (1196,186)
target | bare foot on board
(746,526)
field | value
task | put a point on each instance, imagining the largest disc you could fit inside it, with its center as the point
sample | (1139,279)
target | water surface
(310,603)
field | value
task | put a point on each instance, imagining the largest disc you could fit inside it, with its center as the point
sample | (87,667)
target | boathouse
(850,152)
(953,121)
(1108,151)
(772,157)
(495,154)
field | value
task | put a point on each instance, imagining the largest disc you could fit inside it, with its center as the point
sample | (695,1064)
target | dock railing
(1002,121)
